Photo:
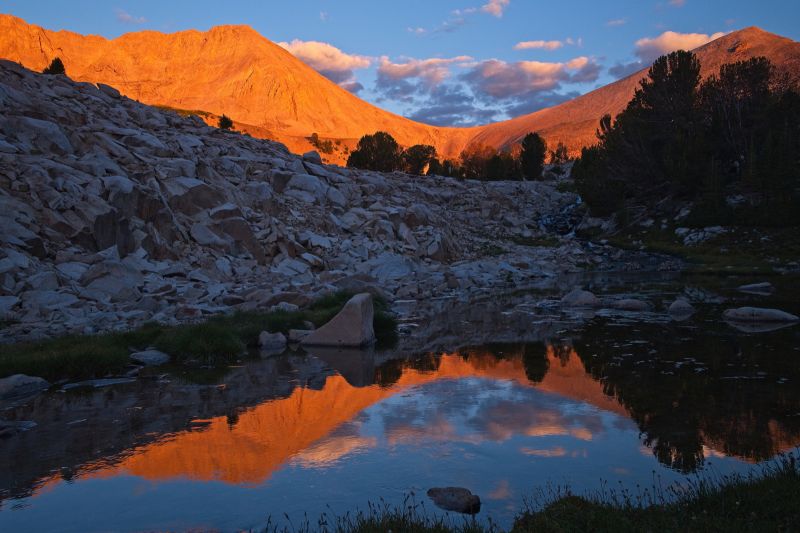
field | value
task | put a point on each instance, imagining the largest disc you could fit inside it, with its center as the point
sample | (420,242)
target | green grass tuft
(210,343)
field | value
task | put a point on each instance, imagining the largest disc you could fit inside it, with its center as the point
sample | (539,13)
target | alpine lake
(510,396)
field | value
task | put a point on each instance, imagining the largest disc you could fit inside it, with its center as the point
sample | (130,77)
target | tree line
(729,144)
(381,152)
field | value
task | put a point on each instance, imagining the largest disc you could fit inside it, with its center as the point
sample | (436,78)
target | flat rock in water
(758,314)
(759,327)
(150,357)
(580,298)
(456,499)
(758,288)
(98,383)
(20,385)
(351,327)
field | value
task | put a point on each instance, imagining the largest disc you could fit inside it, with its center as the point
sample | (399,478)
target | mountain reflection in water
(300,427)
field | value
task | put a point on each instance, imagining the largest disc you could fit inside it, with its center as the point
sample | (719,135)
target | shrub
(560,155)
(378,152)
(56,67)
(225,123)
(475,161)
(324,146)
(418,158)
(534,149)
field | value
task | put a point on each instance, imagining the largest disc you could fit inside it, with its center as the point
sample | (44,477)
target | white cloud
(650,48)
(499,79)
(432,71)
(329,61)
(324,56)
(543,45)
(617,22)
(127,18)
(495,7)
(323,16)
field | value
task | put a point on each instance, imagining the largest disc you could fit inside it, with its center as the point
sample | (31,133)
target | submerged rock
(9,428)
(20,385)
(630,304)
(758,314)
(758,288)
(580,298)
(150,357)
(351,327)
(457,499)
(681,308)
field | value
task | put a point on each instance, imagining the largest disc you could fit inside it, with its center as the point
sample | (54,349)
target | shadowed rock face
(236,71)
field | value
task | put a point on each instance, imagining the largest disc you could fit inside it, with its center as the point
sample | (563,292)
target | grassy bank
(766,500)
(218,340)
(740,250)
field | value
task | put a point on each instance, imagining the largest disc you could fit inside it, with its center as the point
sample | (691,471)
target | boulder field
(114,213)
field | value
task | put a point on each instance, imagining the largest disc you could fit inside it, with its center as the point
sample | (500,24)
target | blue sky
(446,62)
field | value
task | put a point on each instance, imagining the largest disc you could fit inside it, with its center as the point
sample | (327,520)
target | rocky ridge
(114,213)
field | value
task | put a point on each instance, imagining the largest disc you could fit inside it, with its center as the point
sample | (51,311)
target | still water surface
(612,399)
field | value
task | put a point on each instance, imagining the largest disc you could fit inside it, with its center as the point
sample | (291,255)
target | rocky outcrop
(114,213)
(351,327)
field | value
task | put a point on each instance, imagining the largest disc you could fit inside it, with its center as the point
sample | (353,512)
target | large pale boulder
(758,314)
(351,327)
